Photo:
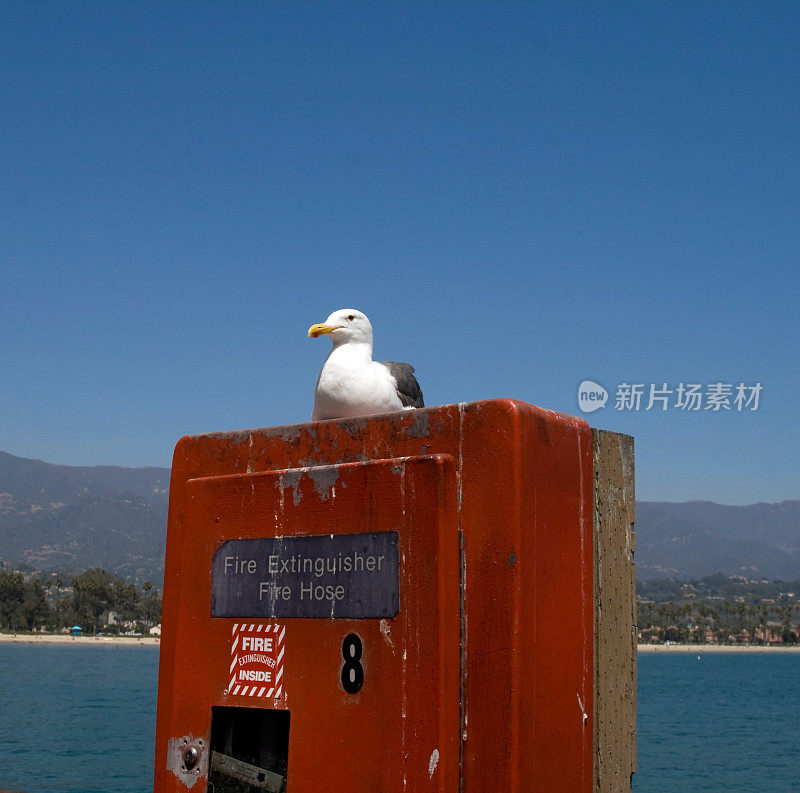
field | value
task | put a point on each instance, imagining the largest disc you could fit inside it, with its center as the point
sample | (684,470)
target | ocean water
(77,719)
(720,723)
(82,720)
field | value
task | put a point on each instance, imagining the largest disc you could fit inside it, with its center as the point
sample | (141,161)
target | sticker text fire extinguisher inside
(344,576)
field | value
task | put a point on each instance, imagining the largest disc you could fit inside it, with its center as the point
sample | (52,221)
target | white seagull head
(344,326)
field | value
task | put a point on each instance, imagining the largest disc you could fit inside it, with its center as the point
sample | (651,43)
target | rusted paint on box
(521,505)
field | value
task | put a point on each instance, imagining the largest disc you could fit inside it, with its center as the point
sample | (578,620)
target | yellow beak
(320,328)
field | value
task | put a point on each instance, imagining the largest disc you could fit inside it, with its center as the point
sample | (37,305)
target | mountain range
(68,518)
(61,517)
(698,538)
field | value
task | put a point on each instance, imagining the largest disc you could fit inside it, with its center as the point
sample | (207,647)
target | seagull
(350,383)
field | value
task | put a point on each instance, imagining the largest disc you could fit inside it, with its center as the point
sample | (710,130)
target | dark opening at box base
(249,750)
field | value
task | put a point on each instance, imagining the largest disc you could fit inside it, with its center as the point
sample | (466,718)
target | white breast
(352,384)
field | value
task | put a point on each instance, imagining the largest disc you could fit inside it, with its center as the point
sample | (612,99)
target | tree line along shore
(94,600)
(719,610)
(716,610)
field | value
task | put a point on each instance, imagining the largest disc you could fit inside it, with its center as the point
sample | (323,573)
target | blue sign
(340,576)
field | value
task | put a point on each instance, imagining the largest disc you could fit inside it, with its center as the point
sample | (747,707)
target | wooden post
(615,613)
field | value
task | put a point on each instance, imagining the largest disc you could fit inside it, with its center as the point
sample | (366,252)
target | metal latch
(259,778)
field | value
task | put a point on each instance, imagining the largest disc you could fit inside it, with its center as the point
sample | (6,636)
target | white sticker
(256,664)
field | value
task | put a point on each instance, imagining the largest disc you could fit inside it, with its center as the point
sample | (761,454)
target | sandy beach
(63,638)
(717,648)
(100,641)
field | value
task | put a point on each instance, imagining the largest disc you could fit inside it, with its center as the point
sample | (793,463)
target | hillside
(65,517)
(699,538)
(58,517)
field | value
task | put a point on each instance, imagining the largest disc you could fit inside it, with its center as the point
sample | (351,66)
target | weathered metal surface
(516,506)
(615,612)
(377,701)
(256,777)
(175,759)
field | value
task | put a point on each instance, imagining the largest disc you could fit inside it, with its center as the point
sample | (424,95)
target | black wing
(407,386)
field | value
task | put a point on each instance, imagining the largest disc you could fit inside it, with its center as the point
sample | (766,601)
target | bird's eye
(351,318)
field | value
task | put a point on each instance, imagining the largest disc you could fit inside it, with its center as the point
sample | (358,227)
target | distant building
(650,635)
(155,630)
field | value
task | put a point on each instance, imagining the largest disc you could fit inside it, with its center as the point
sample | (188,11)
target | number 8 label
(352,671)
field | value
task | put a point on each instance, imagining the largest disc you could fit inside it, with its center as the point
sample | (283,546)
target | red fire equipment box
(398,604)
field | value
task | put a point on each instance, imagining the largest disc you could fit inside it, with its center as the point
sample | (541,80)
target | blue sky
(520,197)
